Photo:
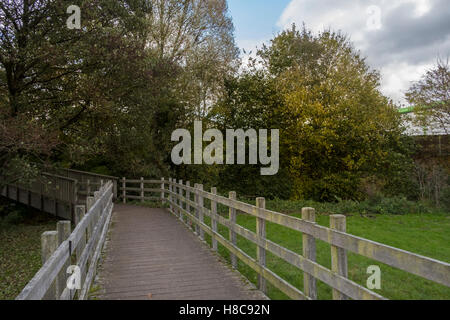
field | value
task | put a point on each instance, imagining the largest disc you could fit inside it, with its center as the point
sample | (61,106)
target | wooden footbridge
(126,251)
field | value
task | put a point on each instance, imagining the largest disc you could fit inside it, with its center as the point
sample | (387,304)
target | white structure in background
(433,129)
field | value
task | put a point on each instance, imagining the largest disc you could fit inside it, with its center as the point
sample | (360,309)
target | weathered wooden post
(79,215)
(188,198)
(89,203)
(168,192)
(180,200)
(200,212)
(338,255)
(74,200)
(175,197)
(80,211)
(213,219)
(261,251)
(232,217)
(162,190)
(170,195)
(98,212)
(142,189)
(64,229)
(88,188)
(124,190)
(309,252)
(115,191)
(197,231)
(49,244)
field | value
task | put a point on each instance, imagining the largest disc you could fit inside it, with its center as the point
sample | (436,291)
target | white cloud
(411,33)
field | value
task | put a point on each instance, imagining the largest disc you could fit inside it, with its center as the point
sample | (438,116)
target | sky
(400,38)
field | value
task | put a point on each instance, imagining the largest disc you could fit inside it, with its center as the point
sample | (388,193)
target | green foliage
(336,128)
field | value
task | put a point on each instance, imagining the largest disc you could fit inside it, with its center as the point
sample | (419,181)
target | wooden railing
(182,198)
(81,248)
(57,190)
(140,190)
(87,181)
(51,193)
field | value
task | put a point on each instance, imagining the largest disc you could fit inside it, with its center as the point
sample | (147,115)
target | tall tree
(52,76)
(198,36)
(431,97)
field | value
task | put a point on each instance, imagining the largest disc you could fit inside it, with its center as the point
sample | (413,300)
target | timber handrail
(81,248)
(178,196)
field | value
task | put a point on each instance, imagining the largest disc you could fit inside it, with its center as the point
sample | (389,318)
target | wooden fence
(81,248)
(182,198)
(139,190)
(87,181)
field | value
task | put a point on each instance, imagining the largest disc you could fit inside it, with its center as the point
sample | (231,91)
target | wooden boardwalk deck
(152,255)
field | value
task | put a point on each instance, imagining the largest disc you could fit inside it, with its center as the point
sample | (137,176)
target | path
(151,255)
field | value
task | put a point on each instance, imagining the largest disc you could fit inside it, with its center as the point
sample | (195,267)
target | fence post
(195,213)
(188,206)
(142,189)
(80,211)
(162,190)
(88,188)
(98,212)
(74,200)
(200,212)
(232,217)
(64,229)
(261,251)
(213,219)
(115,191)
(309,252)
(338,255)
(124,191)
(89,203)
(79,215)
(180,200)
(175,198)
(49,244)
(169,195)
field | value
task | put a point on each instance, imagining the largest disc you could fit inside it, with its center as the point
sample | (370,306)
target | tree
(337,130)
(78,87)
(431,97)
(197,35)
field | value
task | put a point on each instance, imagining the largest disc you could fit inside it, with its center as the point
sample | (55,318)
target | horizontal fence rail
(192,211)
(140,189)
(80,248)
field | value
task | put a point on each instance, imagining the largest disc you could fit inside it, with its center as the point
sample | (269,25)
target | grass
(424,234)
(20,246)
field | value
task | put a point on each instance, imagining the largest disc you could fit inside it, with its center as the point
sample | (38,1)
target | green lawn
(20,248)
(425,234)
